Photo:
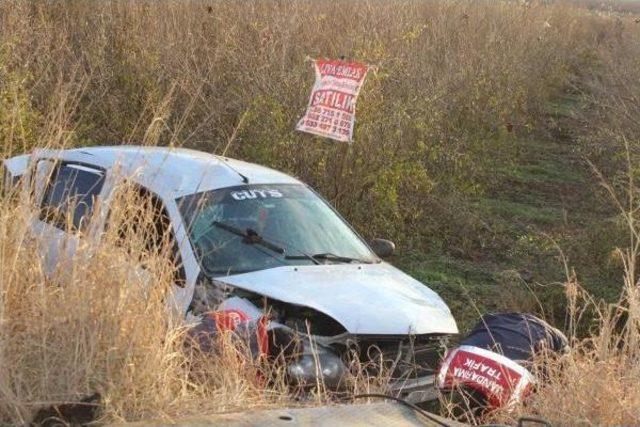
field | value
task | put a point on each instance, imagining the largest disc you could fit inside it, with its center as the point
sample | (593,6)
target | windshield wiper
(251,237)
(331,257)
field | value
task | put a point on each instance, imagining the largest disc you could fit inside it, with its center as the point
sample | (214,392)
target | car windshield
(255,227)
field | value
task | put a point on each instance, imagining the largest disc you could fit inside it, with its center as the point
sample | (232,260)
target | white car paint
(171,172)
(364,298)
(15,166)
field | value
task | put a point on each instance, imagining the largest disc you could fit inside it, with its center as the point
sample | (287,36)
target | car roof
(172,171)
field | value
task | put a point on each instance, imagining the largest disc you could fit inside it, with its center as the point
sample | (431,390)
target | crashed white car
(247,234)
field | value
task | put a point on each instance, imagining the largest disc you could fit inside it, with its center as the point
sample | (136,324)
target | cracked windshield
(254,227)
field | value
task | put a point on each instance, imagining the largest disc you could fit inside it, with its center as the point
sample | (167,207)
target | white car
(245,233)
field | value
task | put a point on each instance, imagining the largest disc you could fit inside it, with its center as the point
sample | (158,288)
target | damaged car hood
(375,299)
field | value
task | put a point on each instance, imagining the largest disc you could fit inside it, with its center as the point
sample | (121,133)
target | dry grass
(459,83)
(99,324)
(102,322)
(596,383)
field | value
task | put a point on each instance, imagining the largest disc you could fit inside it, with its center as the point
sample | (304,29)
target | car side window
(150,221)
(70,195)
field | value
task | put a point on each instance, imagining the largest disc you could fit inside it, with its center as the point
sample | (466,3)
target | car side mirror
(382,247)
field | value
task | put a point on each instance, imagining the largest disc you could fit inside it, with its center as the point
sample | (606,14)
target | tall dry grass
(458,85)
(103,322)
(100,324)
(596,383)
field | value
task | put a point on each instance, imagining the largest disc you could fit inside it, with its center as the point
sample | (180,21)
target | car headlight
(315,365)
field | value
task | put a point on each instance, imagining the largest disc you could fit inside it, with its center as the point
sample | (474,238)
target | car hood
(373,299)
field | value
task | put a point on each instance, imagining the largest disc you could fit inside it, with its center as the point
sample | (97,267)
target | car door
(69,194)
(145,228)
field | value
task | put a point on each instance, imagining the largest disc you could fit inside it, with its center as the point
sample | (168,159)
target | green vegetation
(545,205)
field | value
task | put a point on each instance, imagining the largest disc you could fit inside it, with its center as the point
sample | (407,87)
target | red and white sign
(500,379)
(332,106)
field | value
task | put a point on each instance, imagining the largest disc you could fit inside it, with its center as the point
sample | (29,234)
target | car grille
(400,358)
